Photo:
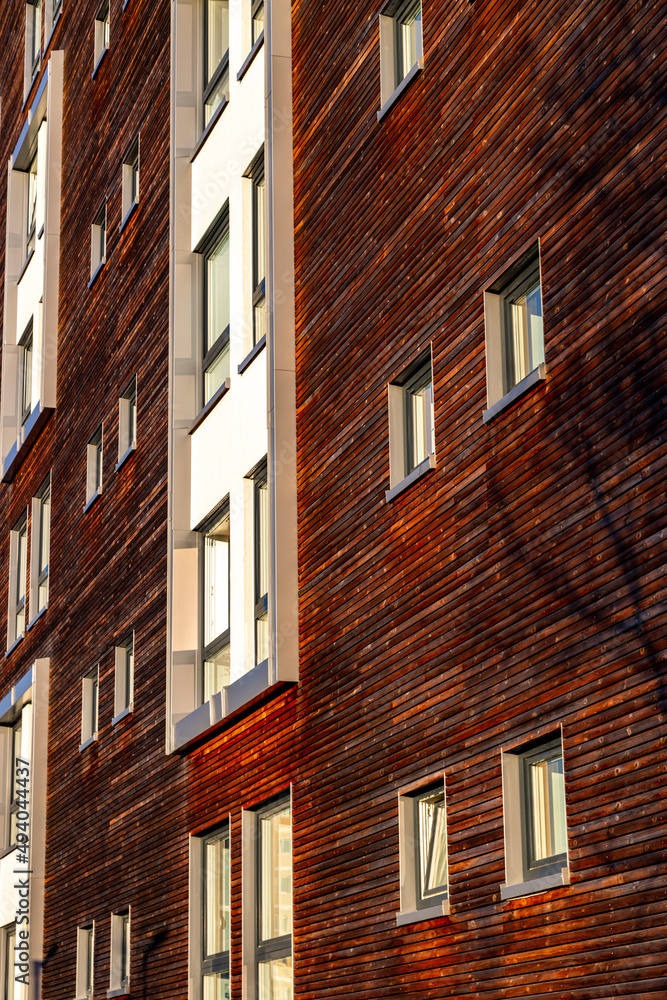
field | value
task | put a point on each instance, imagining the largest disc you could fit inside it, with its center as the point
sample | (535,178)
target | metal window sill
(39,614)
(124,457)
(212,403)
(403,85)
(93,277)
(86,743)
(122,991)
(532,379)
(535,885)
(441,909)
(250,58)
(209,128)
(251,355)
(412,477)
(14,644)
(127,217)
(122,715)
(89,503)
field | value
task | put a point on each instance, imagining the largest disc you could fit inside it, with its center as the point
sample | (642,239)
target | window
(274,902)
(423,854)
(33,39)
(101,32)
(216,56)
(39,549)
(94,466)
(124,688)
(411,430)
(535,819)
(261,532)
(131,179)
(400,47)
(14,791)
(89,707)
(85,949)
(18,547)
(215,654)
(257,23)
(216,309)
(31,206)
(98,241)
(216,902)
(127,420)
(25,365)
(12,989)
(258,253)
(53,9)
(514,331)
(119,982)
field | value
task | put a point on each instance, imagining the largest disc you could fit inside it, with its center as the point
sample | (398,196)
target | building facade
(333,550)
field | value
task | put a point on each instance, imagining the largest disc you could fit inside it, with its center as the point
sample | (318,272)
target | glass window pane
(257,22)
(217,292)
(276,874)
(216,373)
(214,99)
(547,792)
(217,27)
(432,844)
(216,672)
(275,979)
(217,896)
(216,581)
(215,986)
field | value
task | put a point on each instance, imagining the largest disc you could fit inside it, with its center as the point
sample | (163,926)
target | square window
(215,601)
(85,950)
(258,252)
(216,911)
(120,951)
(18,549)
(98,241)
(216,56)
(94,455)
(102,25)
(411,428)
(216,308)
(401,48)
(535,818)
(131,179)
(33,39)
(267,869)
(514,331)
(261,562)
(90,694)
(423,854)
(39,549)
(25,366)
(257,19)
(127,420)
(124,686)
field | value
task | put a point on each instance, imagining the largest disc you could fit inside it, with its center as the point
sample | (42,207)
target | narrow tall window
(411,425)
(274,889)
(257,16)
(18,548)
(407,37)
(216,901)
(215,654)
(131,179)
(216,55)
(40,545)
(119,979)
(33,37)
(127,420)
(90,691)
(98,241)
(216,312)
(258,253)
(17,734)
(31,206)
(418,410)
(25,361)
(94,454)
(124,687)
(85,949)
(261,516)
(101,31)
(11,987)
(423,854)
(401,48)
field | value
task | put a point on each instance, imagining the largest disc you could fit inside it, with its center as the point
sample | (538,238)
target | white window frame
(215,83)
(414,906)
(394,78)
(39,573)
(120,953)
(127,421)
(90,707)
(124,679)
(94,466)
(402,470)
(102,32)
(98,243)
(131,180)
(33,43)
(217,644)
(18,552)
(85,961)
(520,879)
